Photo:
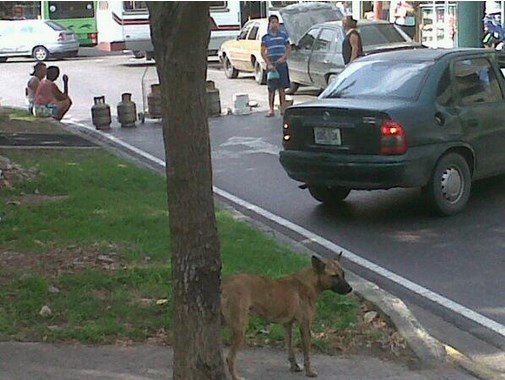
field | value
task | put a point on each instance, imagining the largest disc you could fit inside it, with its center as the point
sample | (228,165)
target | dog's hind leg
(306,341)
(293,365)
(238,327)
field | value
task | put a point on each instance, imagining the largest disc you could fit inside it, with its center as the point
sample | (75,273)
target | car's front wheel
(40,53)
(450,185)
(229,70)
(293,88)
(260,75)
(329,195)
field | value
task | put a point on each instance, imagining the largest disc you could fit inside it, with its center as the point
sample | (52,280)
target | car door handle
(439,118)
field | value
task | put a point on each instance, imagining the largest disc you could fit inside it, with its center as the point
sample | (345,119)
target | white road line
(413,287)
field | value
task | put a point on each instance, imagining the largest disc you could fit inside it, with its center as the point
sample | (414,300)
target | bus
(79,16)
(124,25)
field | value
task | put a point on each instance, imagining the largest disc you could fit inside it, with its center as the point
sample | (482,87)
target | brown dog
(284,300)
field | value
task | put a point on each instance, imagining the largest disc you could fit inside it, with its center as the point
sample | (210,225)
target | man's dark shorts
(283,81)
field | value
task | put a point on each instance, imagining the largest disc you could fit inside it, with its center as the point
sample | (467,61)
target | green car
(428,118)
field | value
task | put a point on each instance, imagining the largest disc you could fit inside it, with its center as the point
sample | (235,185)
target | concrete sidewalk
(31,361)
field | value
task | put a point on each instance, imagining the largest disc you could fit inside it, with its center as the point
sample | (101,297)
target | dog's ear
(318,264)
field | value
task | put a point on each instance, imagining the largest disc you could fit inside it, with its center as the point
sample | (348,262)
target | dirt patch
(11,173)
(31,199)
(19,122)
(58,261)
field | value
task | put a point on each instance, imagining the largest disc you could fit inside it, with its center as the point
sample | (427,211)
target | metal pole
(469,24)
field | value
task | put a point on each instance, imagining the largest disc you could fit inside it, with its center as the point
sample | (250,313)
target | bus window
(134,6)
(218,6)
(70,9)
(281,4)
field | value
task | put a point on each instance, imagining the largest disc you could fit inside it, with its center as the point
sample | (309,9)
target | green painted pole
(469,18)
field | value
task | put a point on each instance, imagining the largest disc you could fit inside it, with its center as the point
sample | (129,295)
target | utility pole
(469,21)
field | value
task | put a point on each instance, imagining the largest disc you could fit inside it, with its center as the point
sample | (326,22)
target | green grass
(113,207)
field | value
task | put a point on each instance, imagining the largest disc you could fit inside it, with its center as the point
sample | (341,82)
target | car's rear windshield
(378,79)
(379,34)
(55,26)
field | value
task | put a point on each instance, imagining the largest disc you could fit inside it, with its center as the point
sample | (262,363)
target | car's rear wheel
(292,88)
(138,54)
(40,53)
(3,59)
(329,195)
(331,78)
(449,188)
(229,70)
(260,75)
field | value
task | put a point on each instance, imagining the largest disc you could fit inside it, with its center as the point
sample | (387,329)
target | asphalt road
(452,267)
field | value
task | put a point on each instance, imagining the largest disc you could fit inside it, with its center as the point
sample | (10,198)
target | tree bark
(180,36)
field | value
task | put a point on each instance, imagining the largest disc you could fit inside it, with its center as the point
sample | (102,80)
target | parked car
(39,39)
(316,57)
(243,54)
(428,118)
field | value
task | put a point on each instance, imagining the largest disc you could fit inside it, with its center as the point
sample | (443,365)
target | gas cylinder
(127,111)
(154,102)
(100,113)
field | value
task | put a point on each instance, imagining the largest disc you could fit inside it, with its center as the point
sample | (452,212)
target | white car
(39,39)
(243,54)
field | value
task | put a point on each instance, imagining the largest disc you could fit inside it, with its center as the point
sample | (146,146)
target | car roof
(338,24)
(425,54)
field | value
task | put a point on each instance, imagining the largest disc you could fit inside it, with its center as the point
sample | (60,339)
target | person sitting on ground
(49,100)
(39,72)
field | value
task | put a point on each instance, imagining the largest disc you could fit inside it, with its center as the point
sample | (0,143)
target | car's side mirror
(295,47)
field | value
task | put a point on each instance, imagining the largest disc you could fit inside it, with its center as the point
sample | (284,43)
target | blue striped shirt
(275,44)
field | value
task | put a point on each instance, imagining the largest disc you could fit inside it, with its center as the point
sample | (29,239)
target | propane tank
(127,111)
(213,99)
(154,101)
(100,113)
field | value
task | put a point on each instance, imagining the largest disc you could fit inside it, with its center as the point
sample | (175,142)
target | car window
(308,39)
(243,33)
(476,81)
(326,40)
(445,94)
(55,26)
(379,78)
(378,34)
(254,32)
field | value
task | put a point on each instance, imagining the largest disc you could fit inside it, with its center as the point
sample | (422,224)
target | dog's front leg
(293,365)
(306,342)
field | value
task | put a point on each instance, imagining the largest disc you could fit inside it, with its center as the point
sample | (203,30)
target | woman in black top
(352,47)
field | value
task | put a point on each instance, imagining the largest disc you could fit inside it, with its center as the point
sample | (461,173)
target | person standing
(275,49)
(49,100)
(352,46)
(39,72)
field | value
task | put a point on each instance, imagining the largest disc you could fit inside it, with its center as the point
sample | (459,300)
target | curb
(476,369)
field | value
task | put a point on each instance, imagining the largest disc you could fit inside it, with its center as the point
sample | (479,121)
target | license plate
(327,136)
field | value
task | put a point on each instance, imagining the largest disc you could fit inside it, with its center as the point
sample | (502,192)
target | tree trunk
(180,35)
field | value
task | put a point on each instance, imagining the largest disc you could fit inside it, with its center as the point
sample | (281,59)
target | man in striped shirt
(275,49)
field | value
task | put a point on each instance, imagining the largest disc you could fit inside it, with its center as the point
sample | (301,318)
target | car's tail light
(286,133)
(93,37)
(61,37)
(393,140)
